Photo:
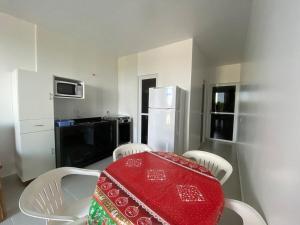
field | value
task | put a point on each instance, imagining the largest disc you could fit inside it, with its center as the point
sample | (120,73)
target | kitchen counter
(85,141)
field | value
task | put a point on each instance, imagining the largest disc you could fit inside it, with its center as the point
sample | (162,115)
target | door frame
(141,78)
(203,112)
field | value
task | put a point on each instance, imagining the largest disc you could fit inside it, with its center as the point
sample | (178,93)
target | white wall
(225,74)
(24,46)
(63,57)
(172,64)
(269,127)
(199,74)
(17,50)
(128,89)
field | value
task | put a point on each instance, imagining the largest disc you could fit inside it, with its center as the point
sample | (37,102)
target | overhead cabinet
(34,95)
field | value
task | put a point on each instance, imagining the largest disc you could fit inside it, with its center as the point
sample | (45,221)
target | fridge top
(165,97)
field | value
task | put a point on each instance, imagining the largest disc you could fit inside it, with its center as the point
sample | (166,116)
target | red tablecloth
(158,188)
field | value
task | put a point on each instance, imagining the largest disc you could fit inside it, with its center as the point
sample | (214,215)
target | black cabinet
(85,142)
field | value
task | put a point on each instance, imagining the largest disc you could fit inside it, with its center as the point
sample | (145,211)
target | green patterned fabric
(98,216)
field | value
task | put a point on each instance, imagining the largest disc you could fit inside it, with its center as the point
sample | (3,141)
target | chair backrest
(43,197)
(248,214)
(129,149)
(214,163)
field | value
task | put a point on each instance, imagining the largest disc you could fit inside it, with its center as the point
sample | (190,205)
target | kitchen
(188,74)
(82,141)
(55,142)
(231,59)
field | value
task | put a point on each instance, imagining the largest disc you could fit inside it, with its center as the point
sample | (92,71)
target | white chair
(214,163)
(81,221)
(248,214)
(129,149)
(43,197)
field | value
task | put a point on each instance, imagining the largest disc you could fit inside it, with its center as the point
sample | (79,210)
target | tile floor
(76,187)
(232,187)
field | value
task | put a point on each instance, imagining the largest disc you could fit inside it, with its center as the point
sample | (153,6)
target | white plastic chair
(129,149)
(43,197)
(81,221)
(214,163)
(248,214)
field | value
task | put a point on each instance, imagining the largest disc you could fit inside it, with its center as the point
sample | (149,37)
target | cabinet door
(104,138)
(38,154)
(35,95)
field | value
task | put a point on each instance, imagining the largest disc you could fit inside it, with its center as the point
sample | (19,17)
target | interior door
(146,82)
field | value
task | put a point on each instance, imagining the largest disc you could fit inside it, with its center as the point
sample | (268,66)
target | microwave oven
(69,89)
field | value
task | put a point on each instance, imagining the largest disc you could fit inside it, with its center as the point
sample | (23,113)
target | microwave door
(66,89)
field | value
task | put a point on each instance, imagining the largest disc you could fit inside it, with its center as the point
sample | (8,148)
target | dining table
(152,188)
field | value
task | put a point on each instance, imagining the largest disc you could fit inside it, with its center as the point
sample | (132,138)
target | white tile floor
(76,187)
(232,187)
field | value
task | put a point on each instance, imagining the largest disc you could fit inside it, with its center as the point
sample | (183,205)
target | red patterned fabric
(165,188)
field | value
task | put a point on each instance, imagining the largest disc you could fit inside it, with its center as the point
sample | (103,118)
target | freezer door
(163,98)
(161,129)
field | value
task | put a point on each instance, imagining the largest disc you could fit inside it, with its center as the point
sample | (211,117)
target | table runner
(153,188)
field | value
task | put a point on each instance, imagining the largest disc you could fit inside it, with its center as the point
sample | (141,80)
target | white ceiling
(128,26)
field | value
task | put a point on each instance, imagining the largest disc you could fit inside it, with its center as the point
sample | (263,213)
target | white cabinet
(37,151)
(34,95)
(30,126)
(34,123)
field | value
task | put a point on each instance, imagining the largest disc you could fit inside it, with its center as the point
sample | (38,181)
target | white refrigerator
(166,119)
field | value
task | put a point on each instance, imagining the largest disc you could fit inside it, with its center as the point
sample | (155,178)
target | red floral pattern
(162,188)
